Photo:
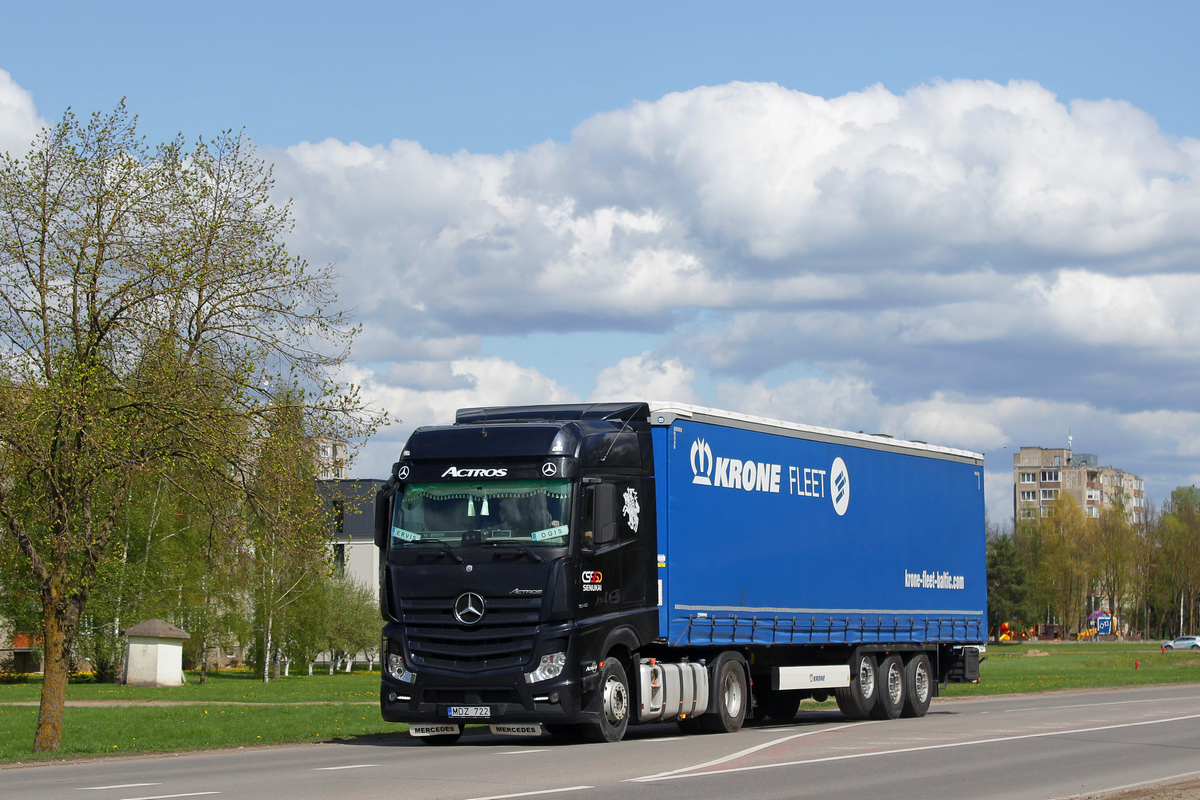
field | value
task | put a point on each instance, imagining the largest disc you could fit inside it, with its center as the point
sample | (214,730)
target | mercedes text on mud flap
(580,569)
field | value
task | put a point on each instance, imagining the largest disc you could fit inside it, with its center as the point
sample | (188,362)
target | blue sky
(972,224)
(489,77)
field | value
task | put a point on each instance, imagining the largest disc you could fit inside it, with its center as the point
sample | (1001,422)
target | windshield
(528,513)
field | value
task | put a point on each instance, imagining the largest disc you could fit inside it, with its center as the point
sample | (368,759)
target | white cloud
(19,120)
(967,263)
(429,394)
(646,378)
(749,196)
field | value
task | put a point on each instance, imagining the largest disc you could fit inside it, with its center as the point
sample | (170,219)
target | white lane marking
(1089,705)
(749,750)
(872,754)
(115,786)
(531,794)
(348,766)
(168,796)
(1156,782)
(521,752)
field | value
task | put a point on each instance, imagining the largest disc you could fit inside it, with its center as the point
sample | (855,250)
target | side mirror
(606,514)
(383,513)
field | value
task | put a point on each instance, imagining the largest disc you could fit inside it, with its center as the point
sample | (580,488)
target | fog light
(397,669)
(551,666)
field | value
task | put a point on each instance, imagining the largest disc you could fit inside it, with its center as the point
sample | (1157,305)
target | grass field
(1013,669)
(236,709)
(232,709)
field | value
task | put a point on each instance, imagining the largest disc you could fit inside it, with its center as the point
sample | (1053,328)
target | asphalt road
(1013,747)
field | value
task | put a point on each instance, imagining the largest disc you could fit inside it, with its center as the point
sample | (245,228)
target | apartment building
(1041,474)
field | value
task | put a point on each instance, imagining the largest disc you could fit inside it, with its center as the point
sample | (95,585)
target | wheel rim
(921,682)
(733,694)
(616,701)
(866,678)
(895,683)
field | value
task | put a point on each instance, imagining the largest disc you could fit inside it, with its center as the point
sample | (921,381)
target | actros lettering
(455,472)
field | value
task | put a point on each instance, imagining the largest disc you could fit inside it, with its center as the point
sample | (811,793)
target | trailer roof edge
(664,412)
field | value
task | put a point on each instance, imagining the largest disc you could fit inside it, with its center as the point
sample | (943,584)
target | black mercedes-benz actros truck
(580,568)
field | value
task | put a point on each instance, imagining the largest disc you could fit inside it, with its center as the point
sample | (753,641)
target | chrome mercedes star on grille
(468,608)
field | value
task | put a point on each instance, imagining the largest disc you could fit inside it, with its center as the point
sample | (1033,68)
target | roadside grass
(233,709)
(236,709)
(139,729)
(1016,668)
(238,686)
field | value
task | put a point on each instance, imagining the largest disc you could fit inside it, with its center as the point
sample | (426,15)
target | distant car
(1183,643)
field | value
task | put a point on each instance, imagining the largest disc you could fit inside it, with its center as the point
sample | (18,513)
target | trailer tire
(857,699)
(891,688)
(615,705)
(918,686)
(730,696)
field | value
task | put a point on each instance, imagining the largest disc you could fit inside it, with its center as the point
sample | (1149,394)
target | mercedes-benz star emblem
(549,469)
(403,473)
(468,608)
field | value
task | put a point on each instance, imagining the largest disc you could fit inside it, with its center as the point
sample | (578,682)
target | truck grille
(503,639)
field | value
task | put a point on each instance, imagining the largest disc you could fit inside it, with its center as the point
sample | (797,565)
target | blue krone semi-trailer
(581,568)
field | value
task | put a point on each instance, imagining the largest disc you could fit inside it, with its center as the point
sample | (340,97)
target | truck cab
(518,550)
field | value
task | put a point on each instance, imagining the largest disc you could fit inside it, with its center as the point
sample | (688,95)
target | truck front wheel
(857,699)
(614,705)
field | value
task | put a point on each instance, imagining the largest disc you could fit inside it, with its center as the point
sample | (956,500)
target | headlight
(551,666)
(397,669)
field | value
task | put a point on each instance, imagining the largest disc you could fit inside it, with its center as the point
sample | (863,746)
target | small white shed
(154,654)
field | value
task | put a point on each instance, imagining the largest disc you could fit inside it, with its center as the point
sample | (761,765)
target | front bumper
(506,694)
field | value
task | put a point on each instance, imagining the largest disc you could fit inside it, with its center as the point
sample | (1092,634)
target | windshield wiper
(447,549)
(524,548)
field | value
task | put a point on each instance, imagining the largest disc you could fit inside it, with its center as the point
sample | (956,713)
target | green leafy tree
(1009,588)
(288,530)
(1181,554)
(1146,566)
(1114,554)
(1067,571)
(147,305)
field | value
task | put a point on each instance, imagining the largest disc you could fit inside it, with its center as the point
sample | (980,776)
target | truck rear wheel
(857,699)
(891,688)
(614,705)
(731,696)
(918,686)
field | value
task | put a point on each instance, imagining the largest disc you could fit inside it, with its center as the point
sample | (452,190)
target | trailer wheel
(857,699)
(891,688)
(614,705)
(918,686)
(730,694)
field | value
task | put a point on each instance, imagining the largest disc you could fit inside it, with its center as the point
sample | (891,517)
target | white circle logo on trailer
(839,486)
